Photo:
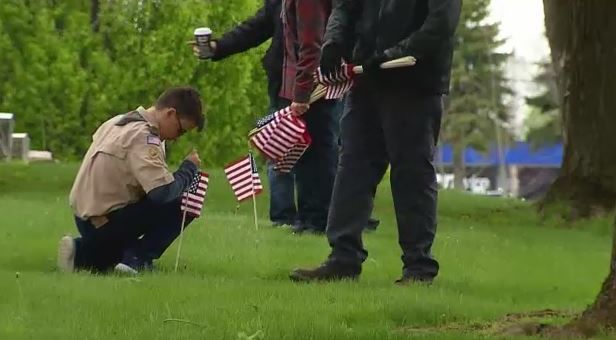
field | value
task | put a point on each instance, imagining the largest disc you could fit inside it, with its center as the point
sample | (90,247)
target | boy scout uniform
(124,162)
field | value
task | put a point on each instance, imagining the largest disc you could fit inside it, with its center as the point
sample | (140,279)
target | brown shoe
(328,271)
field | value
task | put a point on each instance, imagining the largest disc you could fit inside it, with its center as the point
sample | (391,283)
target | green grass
(496,257)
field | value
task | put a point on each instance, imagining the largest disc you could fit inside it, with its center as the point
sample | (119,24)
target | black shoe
(281,224)
(298,228)
(372,224)
(305,228)
(328,271)
(407,280)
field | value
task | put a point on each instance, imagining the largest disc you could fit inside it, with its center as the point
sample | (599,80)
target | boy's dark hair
(186,101)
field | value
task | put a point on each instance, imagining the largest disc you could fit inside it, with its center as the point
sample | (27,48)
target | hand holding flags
(335,86)
(283,138)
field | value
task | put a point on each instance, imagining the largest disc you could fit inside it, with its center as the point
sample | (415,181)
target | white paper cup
(203,35)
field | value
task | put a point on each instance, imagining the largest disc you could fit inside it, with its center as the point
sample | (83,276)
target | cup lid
(203,31)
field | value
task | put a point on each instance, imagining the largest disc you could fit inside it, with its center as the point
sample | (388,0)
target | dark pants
(314,173)
(282,196)
(143,230)
(381,127)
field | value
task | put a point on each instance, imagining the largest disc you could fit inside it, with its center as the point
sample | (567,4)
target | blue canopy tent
(535,168)
(519,154)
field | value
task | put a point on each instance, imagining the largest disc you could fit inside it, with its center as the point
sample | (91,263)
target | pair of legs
(312,176)
(384,126)
(134,236)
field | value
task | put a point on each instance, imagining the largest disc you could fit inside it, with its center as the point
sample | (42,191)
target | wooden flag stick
(177,257)
(254,206)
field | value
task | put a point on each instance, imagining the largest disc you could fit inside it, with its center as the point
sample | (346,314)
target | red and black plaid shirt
(304,23)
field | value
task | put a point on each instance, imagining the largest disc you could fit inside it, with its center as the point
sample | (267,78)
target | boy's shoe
(66,255)
(133,265)
(125,269)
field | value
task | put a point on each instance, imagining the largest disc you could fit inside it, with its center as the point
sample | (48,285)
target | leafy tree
(73,64)
(544,121)
(475,109)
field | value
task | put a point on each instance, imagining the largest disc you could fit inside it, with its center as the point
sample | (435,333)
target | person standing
(304,24)
(391,117)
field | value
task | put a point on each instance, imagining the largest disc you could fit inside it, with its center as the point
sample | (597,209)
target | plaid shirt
(304,23)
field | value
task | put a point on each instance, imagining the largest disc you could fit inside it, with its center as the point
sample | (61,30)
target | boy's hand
(194,158)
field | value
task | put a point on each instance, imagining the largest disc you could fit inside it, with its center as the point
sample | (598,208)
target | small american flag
(244,178)
(278,133)
(193,198)
(337,85)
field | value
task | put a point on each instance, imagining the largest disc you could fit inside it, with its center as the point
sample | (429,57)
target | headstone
(20,146)
(7,124)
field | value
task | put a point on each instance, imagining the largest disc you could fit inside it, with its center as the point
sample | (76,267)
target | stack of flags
(282,138)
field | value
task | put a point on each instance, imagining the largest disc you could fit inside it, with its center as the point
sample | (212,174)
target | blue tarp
(520,154)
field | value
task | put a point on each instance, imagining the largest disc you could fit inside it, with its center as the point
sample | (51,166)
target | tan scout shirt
(122,164)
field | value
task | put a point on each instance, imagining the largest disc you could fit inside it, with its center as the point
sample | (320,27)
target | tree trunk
(459,168)
(601,315)
(583,43)
(94,15)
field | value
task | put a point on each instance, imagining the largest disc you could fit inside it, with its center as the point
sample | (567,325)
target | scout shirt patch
(153,152)
(153,140)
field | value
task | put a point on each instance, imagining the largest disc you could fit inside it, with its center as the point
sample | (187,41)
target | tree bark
(94,15)
(583,44)
(601,315)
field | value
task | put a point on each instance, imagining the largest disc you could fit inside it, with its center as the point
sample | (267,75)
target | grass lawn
(496,258)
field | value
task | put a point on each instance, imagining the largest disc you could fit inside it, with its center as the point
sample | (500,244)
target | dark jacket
(420,28)
(254,31)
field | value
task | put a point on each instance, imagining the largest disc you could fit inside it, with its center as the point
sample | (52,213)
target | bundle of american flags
(282,138)
(193,198)
(336,85)
(244,177)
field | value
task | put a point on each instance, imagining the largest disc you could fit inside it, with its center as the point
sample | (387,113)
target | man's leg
(282,196)
(362,165)
(316,169)
(373,222)
(411,124)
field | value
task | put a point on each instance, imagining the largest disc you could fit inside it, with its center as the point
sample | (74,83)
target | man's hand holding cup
(203,46)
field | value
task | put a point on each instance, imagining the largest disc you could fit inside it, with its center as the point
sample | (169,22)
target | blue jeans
(142,230)
(313,175)
(282,196)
